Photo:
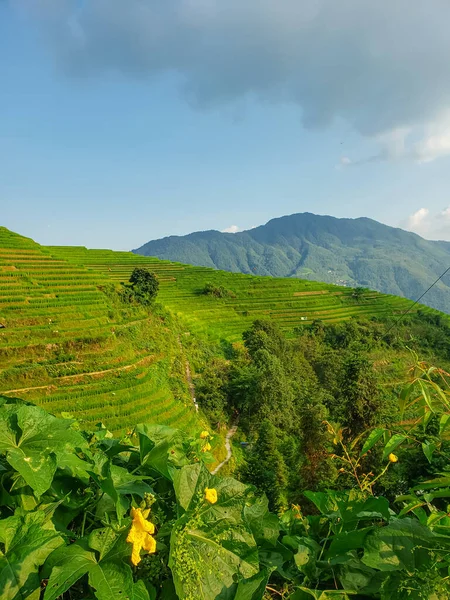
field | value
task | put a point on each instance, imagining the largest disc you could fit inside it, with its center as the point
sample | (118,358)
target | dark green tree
(145,285)
(265,467)
(211,389)
(265,335)
(359,397)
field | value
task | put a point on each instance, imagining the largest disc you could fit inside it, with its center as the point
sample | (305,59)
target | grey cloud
(380,65)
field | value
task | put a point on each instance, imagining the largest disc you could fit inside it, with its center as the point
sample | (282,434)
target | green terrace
(66,346)
(291,302)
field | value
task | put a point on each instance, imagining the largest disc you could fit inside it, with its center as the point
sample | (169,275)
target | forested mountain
(352,252)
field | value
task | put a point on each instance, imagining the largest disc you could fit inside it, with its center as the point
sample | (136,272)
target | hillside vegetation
(353,252)
(289,302)
(70,345)
(110,491)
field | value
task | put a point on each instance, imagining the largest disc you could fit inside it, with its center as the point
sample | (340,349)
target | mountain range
(351,252)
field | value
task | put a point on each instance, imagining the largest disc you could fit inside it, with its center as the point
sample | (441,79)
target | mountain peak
(352,252)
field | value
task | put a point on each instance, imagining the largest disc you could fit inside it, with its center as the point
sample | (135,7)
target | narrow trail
(187,368)
(230,434)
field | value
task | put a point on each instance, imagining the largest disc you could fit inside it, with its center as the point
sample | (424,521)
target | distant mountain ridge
(353,252)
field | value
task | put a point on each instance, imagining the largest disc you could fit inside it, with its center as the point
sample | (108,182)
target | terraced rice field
(69,346)
(65,345)
(290,302)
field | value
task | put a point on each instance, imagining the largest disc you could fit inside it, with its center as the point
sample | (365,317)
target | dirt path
(230,434)
(187,368)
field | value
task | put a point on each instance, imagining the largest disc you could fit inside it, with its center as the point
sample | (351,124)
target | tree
(358,293)
(145,285)
(265,467)
(359,397)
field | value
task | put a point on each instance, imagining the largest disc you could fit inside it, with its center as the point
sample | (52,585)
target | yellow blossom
(297,511)
(206,447)
(140,534)
(204,435)
(393,458)
(211,495)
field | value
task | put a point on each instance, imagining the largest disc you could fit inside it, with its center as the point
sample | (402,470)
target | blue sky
(118,127)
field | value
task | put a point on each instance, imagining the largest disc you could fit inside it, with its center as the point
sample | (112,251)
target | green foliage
(265,467)
(210,389)
(66,530)
(217,291)
(144,285)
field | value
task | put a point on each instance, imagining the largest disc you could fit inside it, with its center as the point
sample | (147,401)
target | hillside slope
(67,345)
(290,302)
(352,252)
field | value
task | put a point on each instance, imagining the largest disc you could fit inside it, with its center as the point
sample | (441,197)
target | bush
(145,286)
(217,291)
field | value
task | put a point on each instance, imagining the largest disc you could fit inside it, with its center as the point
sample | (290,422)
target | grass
(290,302)
(71,347)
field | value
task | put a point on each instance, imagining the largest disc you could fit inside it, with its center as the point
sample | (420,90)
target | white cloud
(231,229)
(418,219)
(380,66)
(433,226)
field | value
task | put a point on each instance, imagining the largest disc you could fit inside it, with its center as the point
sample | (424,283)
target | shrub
(217,291)
(145,285)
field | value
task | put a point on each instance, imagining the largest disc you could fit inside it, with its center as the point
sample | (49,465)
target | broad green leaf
(325,502)
(67,565)
(111,580)
(140,592)
(28,541)
(102,540)
(303,556)
(347,541)
(8,432)
(35,467)
(355,576)
(118,483)
(35,443)
(162,448)
(264,525)
(373,438)
(393,443)
(253,588)
(211,544)
(404,544)
(352,507)
(187,481)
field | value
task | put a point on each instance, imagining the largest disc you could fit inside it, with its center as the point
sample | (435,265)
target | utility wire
(414,303)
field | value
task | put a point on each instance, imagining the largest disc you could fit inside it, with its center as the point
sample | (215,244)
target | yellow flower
(211,495)
(206,447)
(297,511)
(204,435)
(140,534)
(393,458)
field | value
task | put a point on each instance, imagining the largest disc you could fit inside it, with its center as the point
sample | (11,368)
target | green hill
(351,252)
(290,302)
(69,347)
